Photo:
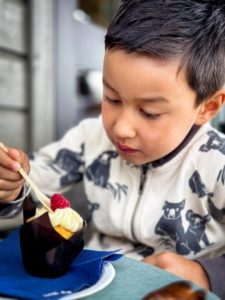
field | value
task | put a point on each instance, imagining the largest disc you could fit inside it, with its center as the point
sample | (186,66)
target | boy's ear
(211,107)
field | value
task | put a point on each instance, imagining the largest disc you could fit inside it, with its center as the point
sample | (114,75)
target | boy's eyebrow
(108,85)
(155,99)
(152,100)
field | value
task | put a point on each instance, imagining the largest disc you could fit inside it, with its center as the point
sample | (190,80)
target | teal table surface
(135,279)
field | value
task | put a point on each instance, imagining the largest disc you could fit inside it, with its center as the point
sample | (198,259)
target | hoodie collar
(172,154)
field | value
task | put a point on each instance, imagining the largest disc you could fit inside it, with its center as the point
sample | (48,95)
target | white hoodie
(178,205)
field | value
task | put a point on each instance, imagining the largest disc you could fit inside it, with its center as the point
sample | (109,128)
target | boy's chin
(134,160)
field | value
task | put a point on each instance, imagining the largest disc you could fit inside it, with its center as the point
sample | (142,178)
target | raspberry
(58,201)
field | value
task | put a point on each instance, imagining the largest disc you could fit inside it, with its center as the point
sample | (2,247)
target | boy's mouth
(125,149)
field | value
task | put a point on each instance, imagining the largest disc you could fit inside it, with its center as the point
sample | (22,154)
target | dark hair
(191,30)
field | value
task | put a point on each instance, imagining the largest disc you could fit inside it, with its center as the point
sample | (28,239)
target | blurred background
(51,54)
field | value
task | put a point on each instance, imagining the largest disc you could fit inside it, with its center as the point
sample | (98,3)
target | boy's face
(147,108)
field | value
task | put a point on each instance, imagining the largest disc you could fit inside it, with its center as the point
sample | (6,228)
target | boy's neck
(172,154)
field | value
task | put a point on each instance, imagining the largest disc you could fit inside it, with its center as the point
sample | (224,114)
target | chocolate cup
(45,253)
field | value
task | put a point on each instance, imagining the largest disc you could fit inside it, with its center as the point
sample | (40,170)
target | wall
(26,93)
(78,46)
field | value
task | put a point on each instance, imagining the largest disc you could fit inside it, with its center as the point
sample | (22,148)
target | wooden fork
(40,196)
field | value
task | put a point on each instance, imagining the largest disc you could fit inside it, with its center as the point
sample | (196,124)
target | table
(135,279)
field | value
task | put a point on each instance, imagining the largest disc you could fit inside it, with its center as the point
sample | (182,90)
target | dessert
(50,241)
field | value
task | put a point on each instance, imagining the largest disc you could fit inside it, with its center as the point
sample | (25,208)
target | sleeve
(58,166)
(215,269)
(11,214)
(11,209)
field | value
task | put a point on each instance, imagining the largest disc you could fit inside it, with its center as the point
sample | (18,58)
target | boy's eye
(150,115)
(112,101)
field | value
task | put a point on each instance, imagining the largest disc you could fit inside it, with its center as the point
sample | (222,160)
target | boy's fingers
(20,157)
(4,196)
(152,260)
(6,174)
(6,185)
(7,162)
(162,260)
(16,156)
(14,153)
(8,196)
(11,181)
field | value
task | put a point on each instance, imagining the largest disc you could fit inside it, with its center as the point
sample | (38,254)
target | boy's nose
(124,128)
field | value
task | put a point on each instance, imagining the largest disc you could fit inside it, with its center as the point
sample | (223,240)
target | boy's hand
(180,266)
(11,182)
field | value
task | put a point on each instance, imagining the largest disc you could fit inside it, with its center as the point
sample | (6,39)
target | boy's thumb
(14,154)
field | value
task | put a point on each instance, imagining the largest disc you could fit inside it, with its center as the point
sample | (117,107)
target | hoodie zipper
(140,192)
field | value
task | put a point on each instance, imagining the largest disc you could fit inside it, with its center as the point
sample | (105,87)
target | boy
(154,172)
